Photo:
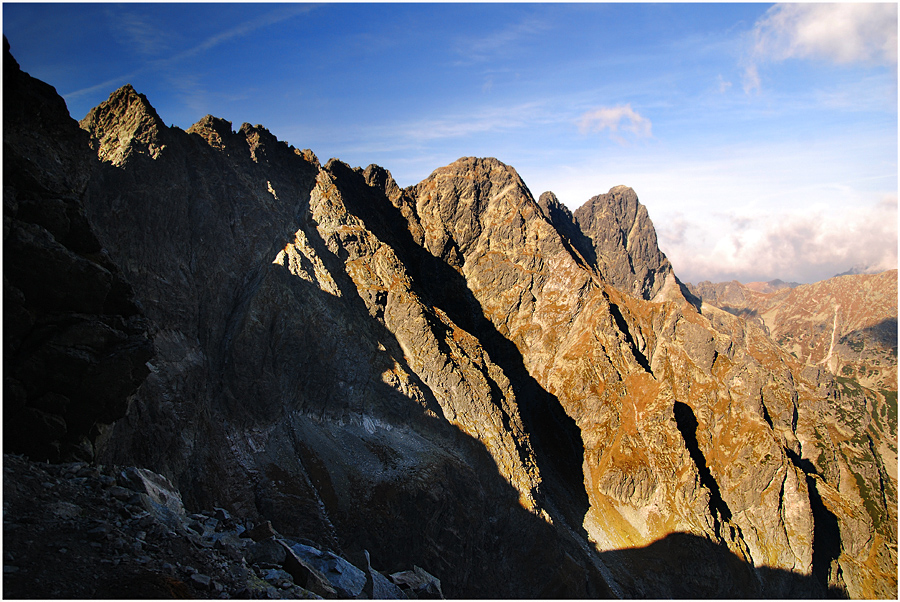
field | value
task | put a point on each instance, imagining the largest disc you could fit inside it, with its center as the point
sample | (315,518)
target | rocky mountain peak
(214,130)
(125,126)
(455,198)
(557,213)
(624,242)
(487,174)
(382,179)
(264,146)
(564,222)
(549,204)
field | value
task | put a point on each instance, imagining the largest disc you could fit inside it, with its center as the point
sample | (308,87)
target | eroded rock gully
(518,400)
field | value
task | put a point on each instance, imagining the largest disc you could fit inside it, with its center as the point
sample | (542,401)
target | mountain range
(520,400)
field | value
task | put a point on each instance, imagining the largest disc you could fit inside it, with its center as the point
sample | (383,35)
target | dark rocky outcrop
(75,342)
(113,532)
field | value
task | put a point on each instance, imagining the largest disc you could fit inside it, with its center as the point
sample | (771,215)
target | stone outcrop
(624,242)
(454,376)
(75,342)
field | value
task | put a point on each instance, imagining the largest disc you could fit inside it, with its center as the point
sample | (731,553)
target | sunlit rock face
(454,375)
(843,332)
(688,422)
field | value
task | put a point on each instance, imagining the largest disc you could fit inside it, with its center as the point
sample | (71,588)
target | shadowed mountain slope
(457,376)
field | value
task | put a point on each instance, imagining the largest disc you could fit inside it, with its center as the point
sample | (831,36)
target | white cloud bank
(614,119)
(804,247)
(839,33)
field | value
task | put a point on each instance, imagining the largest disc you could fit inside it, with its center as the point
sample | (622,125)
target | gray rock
(120,493)
(201,581)
(624,242)
(345,578)
(66,510)
(278,577)
(698,342)
(420,582)
(157,494)
(267,551)
(306,575)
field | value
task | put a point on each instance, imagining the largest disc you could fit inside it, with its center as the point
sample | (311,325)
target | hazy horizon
(761,138)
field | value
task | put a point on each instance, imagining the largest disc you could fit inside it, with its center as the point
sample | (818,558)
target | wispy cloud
(271,18)
(146,38)
(490,119)
(839,33)
(137,31)
(615,119)
(501,42)
(106,85)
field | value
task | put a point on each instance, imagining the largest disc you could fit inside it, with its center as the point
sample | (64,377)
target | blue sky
(762,138)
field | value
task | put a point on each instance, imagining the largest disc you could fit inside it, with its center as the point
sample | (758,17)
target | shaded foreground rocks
(75,530)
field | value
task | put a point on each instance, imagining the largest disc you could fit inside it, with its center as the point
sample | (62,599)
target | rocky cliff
(453,375)
(843,331)
(75,342)
(623,243)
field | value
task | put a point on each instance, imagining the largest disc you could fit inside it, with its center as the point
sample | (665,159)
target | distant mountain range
(771,286)
(514,399)
(859,269)
(847,324)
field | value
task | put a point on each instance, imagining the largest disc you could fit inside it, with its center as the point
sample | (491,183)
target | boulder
(419,583)
(265,552)
(347,580)
(379,587)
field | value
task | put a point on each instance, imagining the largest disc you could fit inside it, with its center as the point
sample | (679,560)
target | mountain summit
(623,241)
(455,376)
